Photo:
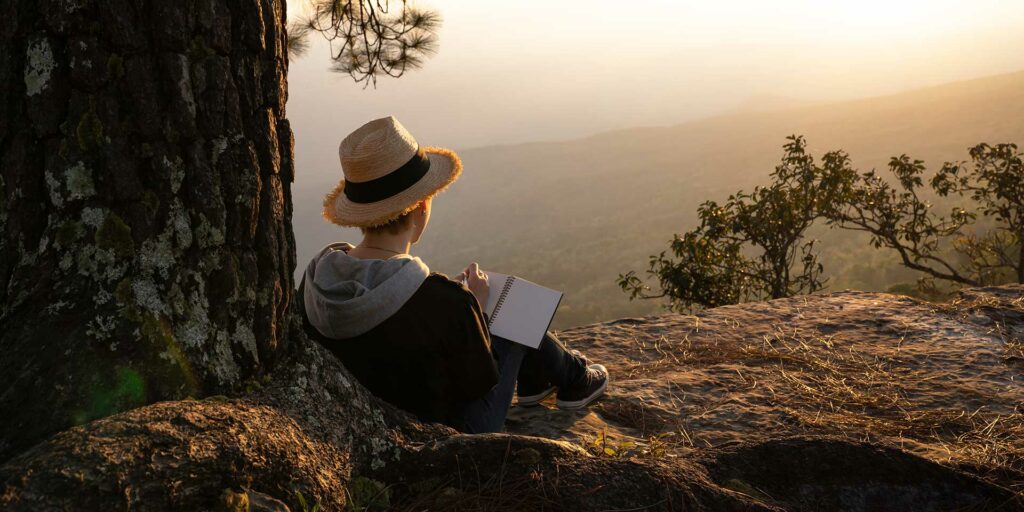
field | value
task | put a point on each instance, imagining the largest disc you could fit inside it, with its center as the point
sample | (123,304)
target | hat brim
(445,168)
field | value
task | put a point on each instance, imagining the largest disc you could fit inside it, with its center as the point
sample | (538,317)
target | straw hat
(386,173)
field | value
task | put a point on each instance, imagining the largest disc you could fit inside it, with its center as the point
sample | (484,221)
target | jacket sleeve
(471,362)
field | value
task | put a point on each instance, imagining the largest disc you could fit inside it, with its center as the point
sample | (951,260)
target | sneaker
(533,399)
(588,389)
(577,353)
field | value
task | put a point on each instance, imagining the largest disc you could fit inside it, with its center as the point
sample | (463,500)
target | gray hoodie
(346,296)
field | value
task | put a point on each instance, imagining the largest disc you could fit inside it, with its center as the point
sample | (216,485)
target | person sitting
(413,337)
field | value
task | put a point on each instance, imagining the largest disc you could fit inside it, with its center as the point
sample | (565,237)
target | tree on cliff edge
(146,251)
(146,255)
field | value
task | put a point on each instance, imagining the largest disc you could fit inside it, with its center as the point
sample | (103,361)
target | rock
(850,401)
(259,502)
(930,380)
(825,474)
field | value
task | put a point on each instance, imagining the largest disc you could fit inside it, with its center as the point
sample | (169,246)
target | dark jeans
(550,364)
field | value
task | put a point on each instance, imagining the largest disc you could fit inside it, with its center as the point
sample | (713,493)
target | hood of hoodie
(345,296)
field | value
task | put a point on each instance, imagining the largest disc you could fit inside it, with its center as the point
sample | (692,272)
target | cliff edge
(942,381)
(850,401)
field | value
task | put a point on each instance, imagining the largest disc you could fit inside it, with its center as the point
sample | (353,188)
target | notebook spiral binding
(501,299)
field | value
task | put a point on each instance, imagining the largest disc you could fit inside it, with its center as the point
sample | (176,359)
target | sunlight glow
(594,65)
(892,20)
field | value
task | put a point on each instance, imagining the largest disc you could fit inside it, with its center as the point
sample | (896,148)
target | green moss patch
(69,232)
(116,236)
(115,66)
(157,333)
(151,201)
(365,495)
(89,131)
(125,390)
(198,50)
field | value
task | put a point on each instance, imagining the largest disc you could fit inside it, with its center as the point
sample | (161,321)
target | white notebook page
(526,312)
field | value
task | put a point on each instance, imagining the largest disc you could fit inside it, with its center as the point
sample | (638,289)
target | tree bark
(146,249)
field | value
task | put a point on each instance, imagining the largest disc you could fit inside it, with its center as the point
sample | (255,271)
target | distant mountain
(574,214)
(770,103)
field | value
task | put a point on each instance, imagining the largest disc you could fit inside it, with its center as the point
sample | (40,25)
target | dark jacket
(429,357)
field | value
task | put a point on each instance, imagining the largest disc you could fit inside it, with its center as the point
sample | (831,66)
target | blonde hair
(391,227)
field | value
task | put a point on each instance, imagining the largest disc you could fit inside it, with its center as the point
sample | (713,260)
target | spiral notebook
(520,310)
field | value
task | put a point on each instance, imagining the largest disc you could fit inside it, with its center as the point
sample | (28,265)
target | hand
(476,280)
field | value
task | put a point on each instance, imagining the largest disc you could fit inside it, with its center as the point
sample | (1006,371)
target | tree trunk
(146,249)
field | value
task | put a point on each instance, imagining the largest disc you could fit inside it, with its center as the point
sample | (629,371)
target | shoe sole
(583,402)
(532,400)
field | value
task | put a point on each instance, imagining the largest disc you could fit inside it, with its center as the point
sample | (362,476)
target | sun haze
(532,70)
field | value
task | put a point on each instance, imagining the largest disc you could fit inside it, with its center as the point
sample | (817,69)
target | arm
(472,365)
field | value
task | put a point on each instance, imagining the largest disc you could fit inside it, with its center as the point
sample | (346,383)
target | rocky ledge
(744,388)
(850,401)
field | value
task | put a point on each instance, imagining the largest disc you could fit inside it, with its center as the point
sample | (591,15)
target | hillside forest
(590,209)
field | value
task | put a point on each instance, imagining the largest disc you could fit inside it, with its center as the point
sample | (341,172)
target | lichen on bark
(130,142)
(39,64)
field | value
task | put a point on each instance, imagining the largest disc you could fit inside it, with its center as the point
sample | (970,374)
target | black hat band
(392,183)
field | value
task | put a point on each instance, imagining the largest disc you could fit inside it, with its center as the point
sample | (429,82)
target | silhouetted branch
(368,39)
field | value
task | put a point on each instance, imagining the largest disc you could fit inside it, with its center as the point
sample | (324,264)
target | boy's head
(416,218)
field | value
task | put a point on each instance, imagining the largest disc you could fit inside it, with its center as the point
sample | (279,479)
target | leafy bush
(754,246)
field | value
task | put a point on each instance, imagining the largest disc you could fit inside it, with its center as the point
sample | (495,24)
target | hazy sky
(528,70)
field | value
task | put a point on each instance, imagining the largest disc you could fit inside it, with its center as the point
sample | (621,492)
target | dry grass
(818,387)
(1001,310)
(634,414)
